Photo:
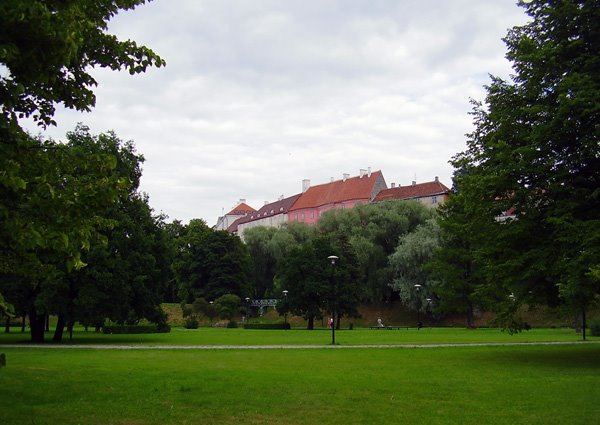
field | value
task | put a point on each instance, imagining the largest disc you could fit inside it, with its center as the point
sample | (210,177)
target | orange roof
(353,188)
(241,209)
(420,190)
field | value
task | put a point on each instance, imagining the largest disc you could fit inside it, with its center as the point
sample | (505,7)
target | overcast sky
(258,95)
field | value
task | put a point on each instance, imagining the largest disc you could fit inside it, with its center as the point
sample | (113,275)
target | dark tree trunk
(311,323)
(470,317)
(60,327)
(338,321)
(583,322)
(70,328)
(7,326)
(47,323)
(37,323)
(23,324)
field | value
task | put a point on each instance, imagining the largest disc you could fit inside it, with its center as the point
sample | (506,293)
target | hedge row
(267,326)
(136,329)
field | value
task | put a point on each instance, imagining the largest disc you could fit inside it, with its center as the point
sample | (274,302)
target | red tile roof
(281,206)
(353,188)
(420,190)
(241,209)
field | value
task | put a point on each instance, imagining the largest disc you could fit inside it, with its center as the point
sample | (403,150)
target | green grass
(220,336)
(466,385)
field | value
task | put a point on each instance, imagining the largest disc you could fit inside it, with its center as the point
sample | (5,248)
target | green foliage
(536,150)
(232,324)
(136,329)
(227,306)
(191,323)
(372,232)
(48,48)
(314,285)
(112,244)
(211,263)
(54,197)
(264,262)
(408,261)
(595,326)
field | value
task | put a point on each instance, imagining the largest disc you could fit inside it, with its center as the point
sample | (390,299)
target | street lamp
(247,309)
(285,292)
(418,289)
(333,259)
(429,302)
(211,313)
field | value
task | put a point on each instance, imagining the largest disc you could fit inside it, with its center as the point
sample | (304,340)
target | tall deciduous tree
(47,48)
(536,148)
(212,264)
(314,285)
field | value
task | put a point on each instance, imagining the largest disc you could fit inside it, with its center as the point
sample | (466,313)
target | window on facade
(302,216)
(296,216)
(312,214)
(434,199)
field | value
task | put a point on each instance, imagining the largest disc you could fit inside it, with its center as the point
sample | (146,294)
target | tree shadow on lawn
(555,357)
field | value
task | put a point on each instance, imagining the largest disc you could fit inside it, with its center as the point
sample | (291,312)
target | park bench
(390,327)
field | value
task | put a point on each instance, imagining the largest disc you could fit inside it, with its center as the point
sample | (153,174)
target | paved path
(287,347)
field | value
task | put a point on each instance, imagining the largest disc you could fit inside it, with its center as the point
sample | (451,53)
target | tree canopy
(48,48)
(536,150)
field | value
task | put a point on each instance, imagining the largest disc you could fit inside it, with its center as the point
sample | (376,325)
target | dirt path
(285,347)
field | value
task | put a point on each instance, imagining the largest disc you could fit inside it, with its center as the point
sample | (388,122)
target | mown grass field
(361,336)
(533,384)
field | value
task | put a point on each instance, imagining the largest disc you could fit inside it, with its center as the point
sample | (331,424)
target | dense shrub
(595,326)
(232,324)
(136,329)
(191,323)
(267,326)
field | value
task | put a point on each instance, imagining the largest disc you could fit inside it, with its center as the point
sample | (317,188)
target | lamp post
(429,302)
(211,314)
(418,289)
(333,259)
(247,309)
(285,292)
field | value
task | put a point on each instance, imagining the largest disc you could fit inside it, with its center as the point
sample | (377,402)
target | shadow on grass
(552,357)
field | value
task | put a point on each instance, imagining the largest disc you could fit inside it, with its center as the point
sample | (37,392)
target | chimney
(437,179)
(305,185)
(368,171)
(362,172)
(393,185)
(414,183)
(280,198)
(266,202)
(346,176)
(331,180)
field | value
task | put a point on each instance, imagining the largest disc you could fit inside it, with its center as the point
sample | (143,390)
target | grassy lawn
(466,385)
(220,336)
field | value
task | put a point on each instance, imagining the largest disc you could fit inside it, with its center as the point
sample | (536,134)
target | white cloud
(257,96)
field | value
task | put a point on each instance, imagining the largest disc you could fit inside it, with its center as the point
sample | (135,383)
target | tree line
(78,240)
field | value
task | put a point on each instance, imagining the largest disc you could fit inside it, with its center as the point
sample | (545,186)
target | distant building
(273,214)
(431,194)
(345,193)
(239,211)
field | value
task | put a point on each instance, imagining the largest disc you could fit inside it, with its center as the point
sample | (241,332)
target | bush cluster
(232,324)
(191,323)
(136,329)
(267,326)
